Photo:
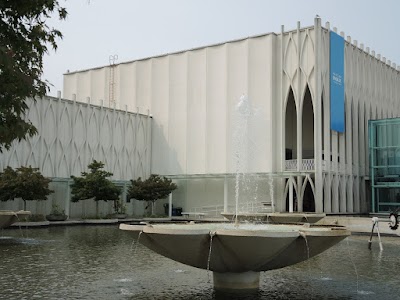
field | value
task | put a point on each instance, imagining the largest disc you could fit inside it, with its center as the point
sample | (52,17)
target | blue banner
(337,82)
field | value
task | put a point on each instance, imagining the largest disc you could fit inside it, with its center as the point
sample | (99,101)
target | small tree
(153,188)
(24,182)
(95,185)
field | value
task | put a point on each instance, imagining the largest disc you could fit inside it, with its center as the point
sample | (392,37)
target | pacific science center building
(314,91)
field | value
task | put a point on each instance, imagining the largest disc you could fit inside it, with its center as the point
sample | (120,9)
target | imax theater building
(313,91)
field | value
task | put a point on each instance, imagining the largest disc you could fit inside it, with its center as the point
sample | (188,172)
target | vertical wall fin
(317,118)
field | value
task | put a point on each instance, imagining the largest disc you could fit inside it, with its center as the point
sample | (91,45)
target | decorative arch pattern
(72,134)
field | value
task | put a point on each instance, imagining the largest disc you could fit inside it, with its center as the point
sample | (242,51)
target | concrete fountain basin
(236,254)
(8,217)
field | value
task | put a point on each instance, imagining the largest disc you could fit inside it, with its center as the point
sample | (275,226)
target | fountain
(8,217)
(244,115)
(237,252)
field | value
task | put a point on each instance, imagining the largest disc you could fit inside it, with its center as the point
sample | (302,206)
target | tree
(24,38)
(153,188)
(95,185)
(24,182)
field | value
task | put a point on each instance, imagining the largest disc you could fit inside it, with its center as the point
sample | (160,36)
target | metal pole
(170,206)
(375,221)
(372,233)
(379,234)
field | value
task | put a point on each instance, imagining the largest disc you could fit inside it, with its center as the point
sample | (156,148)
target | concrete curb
(73,222)
(360,225)
(357,225)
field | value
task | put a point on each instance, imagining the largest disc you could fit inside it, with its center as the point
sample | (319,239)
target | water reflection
(99,262)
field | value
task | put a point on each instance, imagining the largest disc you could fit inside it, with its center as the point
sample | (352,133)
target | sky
(134,29)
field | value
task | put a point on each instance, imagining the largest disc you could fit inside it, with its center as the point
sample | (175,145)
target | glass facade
(384,149)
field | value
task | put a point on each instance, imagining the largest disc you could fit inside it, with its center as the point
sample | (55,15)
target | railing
(306,165)
(331,166)
(309,165)
(291,165)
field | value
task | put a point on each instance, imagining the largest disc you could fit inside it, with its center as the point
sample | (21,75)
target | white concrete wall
(72,134)
(372,92)
(191,96)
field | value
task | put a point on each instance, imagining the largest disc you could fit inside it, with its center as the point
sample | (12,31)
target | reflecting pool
(103,262)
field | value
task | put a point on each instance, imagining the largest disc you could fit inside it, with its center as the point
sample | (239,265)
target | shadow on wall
(165,161)
(164,158)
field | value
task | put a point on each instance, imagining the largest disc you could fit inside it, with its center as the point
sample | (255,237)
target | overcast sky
(132,29)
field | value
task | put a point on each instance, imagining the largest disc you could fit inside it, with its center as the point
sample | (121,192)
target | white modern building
(313,90)
(291,78)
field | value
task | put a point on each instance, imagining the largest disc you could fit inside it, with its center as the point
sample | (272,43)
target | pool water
(103,262)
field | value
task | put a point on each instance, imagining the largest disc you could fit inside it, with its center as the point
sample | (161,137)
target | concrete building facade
(297,161)
(70,135)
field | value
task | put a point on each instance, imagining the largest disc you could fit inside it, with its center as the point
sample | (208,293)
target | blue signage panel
(337,81)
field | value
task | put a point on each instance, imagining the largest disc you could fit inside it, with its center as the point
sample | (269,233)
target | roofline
(392,65)
(95,105)
(187,50)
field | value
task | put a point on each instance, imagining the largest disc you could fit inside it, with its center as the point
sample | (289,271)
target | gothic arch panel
(290,127)
(307,118)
